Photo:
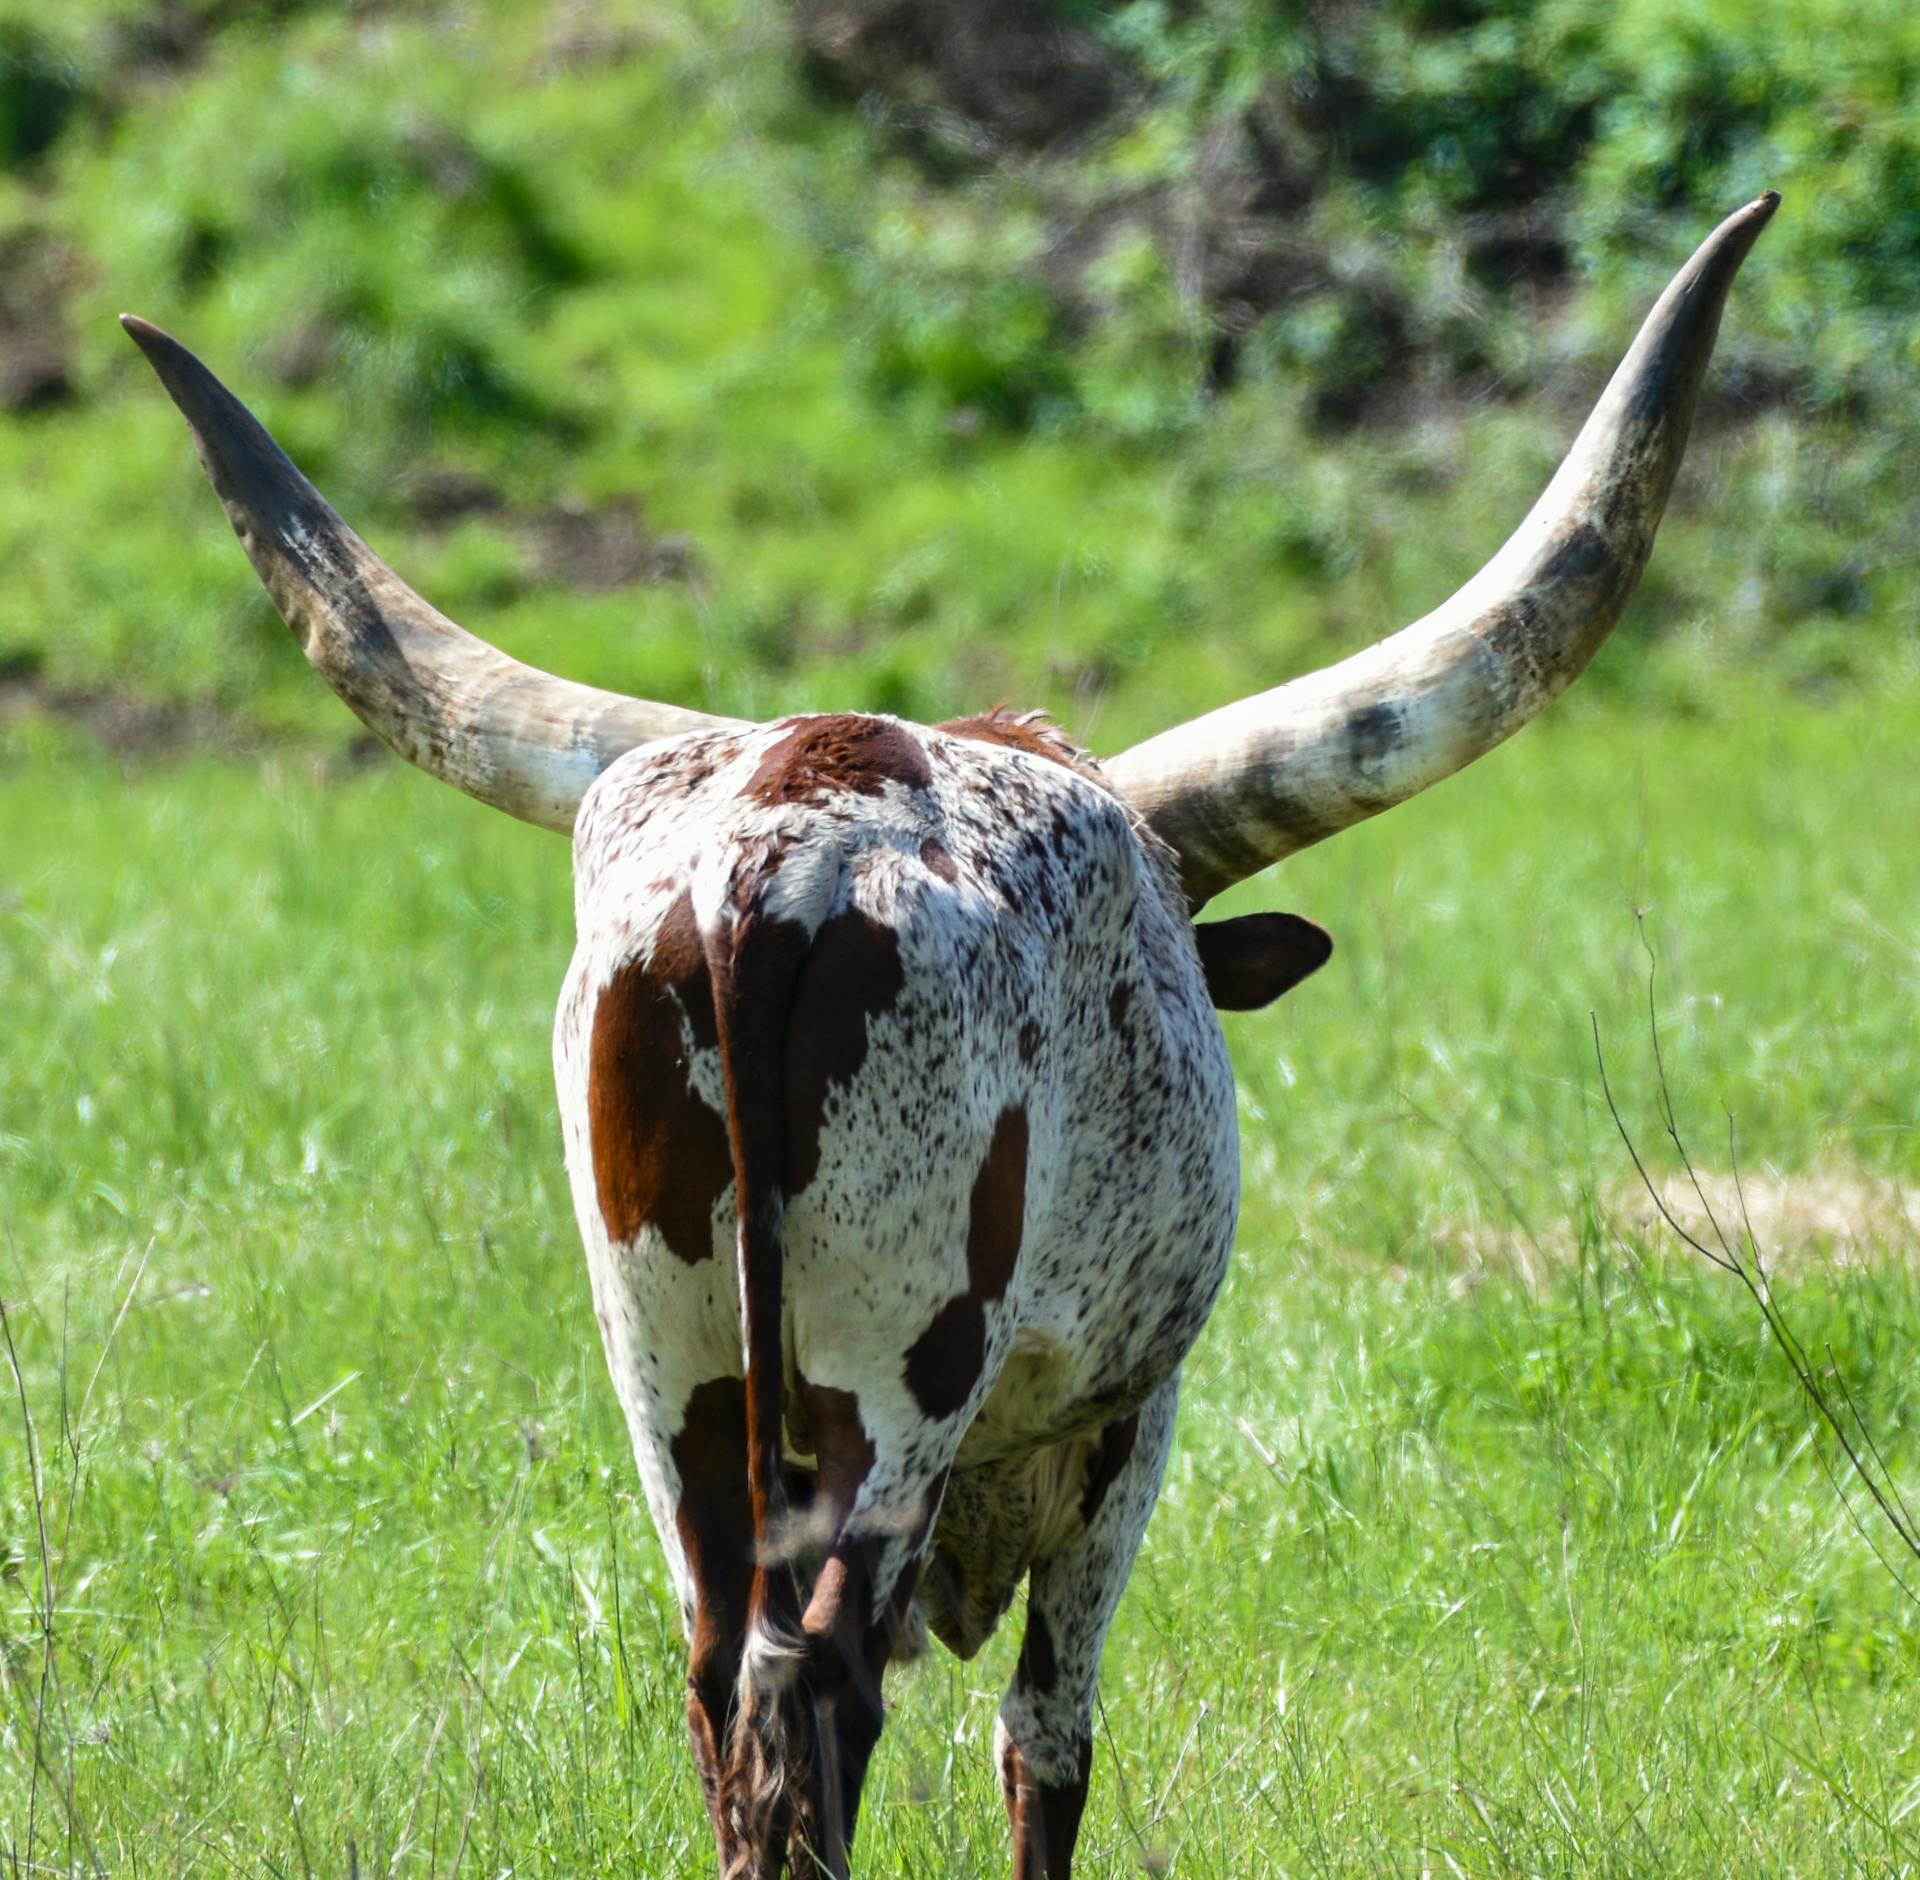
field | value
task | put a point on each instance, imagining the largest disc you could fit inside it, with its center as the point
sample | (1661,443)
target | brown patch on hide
(680,959)
(996,1211)
(1031,732)
(1119,1003)
(939,861)
(1251,960)
(715,1523)
(660,1155)
(835,1436)
(944,1362)
(836,755)
(708,1455)
(1044,1816)
(1105,1464)
(851,975)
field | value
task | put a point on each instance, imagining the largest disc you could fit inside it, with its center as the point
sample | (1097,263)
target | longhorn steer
(900,1127)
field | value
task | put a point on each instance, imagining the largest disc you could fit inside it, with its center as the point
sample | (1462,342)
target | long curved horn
(512,736)
(1255,781)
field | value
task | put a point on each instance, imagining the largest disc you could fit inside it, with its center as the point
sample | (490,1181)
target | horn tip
(208,407)
(163,352)
(1723,251)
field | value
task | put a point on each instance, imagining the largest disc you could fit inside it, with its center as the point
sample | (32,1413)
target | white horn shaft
(512,736)
(1249,784)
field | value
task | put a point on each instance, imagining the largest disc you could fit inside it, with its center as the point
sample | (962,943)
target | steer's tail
(755,948)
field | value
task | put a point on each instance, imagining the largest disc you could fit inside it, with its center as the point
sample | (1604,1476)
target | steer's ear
(1250,961)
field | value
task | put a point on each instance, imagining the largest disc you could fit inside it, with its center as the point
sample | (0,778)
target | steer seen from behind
(899,1122)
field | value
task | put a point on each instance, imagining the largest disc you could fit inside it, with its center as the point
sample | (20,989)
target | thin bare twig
(1744,1259)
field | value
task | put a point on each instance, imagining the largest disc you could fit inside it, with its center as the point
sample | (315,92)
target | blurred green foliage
(680,359)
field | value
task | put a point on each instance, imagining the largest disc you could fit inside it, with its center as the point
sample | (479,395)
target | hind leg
(854,1619)
(713,1523)
(1045,1735)
(811,1707)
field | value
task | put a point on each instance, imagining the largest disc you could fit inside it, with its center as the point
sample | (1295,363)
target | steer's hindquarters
(865,1081)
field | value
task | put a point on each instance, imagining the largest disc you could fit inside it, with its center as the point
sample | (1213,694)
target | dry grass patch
(1835,1215)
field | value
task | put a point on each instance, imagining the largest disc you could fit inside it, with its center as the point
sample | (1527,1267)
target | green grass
(1458,1569)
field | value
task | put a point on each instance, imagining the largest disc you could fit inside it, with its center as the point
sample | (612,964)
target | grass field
(1495,1540)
